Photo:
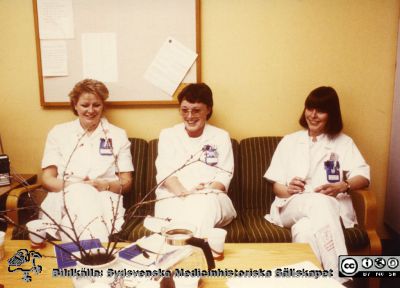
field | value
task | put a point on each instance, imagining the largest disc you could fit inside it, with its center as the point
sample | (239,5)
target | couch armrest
(12,205)
(364,203)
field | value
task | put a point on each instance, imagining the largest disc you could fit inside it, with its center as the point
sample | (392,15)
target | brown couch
(251,194)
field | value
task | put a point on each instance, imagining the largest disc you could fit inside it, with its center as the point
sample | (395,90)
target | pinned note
(170,65)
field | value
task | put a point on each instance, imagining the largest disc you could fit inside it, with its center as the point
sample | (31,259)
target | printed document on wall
(54,58)
(99,56)
(170,65)
(56,20)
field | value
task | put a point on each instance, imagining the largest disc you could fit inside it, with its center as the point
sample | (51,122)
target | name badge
(332,168)
(105,146)
(210,155)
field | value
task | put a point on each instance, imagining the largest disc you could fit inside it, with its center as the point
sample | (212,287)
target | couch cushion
(133,230)
(261,230)
(356,238)
(255,157)
(237,231)
(151,172)
(139,149)
(234,186)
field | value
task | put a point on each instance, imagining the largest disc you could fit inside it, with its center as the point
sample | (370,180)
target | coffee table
(237,256)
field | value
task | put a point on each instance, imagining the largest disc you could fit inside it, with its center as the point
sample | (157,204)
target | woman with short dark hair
(324,99)
(313,171)
(196,194)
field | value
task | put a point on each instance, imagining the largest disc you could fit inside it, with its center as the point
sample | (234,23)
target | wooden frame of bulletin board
(138,29)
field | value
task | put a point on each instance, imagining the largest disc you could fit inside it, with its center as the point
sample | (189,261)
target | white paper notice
(99,56)
(56,19)
(170,66)
(54,58)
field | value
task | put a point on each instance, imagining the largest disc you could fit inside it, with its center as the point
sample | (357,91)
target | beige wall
(261,58)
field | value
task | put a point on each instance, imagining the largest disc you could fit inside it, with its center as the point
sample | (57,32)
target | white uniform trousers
(204,211)
(314,219)
(91,212)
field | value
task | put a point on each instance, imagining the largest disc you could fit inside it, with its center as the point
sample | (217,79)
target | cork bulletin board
(137,30)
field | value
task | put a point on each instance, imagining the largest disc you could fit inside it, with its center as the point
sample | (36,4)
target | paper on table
(54,58)
(156,244)
(170,65)
(99,56)
(279,282)
(55,19)
(167,255)
(170,259)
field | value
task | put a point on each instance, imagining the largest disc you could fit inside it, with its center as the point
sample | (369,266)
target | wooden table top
(243,256)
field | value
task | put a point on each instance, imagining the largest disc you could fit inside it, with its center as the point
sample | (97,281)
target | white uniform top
(175,148)
(92,157)
(89,159)
(297,156)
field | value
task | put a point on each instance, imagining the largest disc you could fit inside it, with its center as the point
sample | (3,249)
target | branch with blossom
(72,232)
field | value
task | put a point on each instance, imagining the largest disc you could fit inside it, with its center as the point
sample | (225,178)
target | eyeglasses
(195,111)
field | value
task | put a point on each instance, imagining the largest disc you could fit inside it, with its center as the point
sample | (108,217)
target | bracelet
(348,186)
(108,187)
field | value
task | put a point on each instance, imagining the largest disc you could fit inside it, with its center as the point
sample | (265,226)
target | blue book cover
(65,260)
(130,252)
(133,254)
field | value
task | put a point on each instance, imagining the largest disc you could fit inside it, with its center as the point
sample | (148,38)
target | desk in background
(4,190)
(30,178)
